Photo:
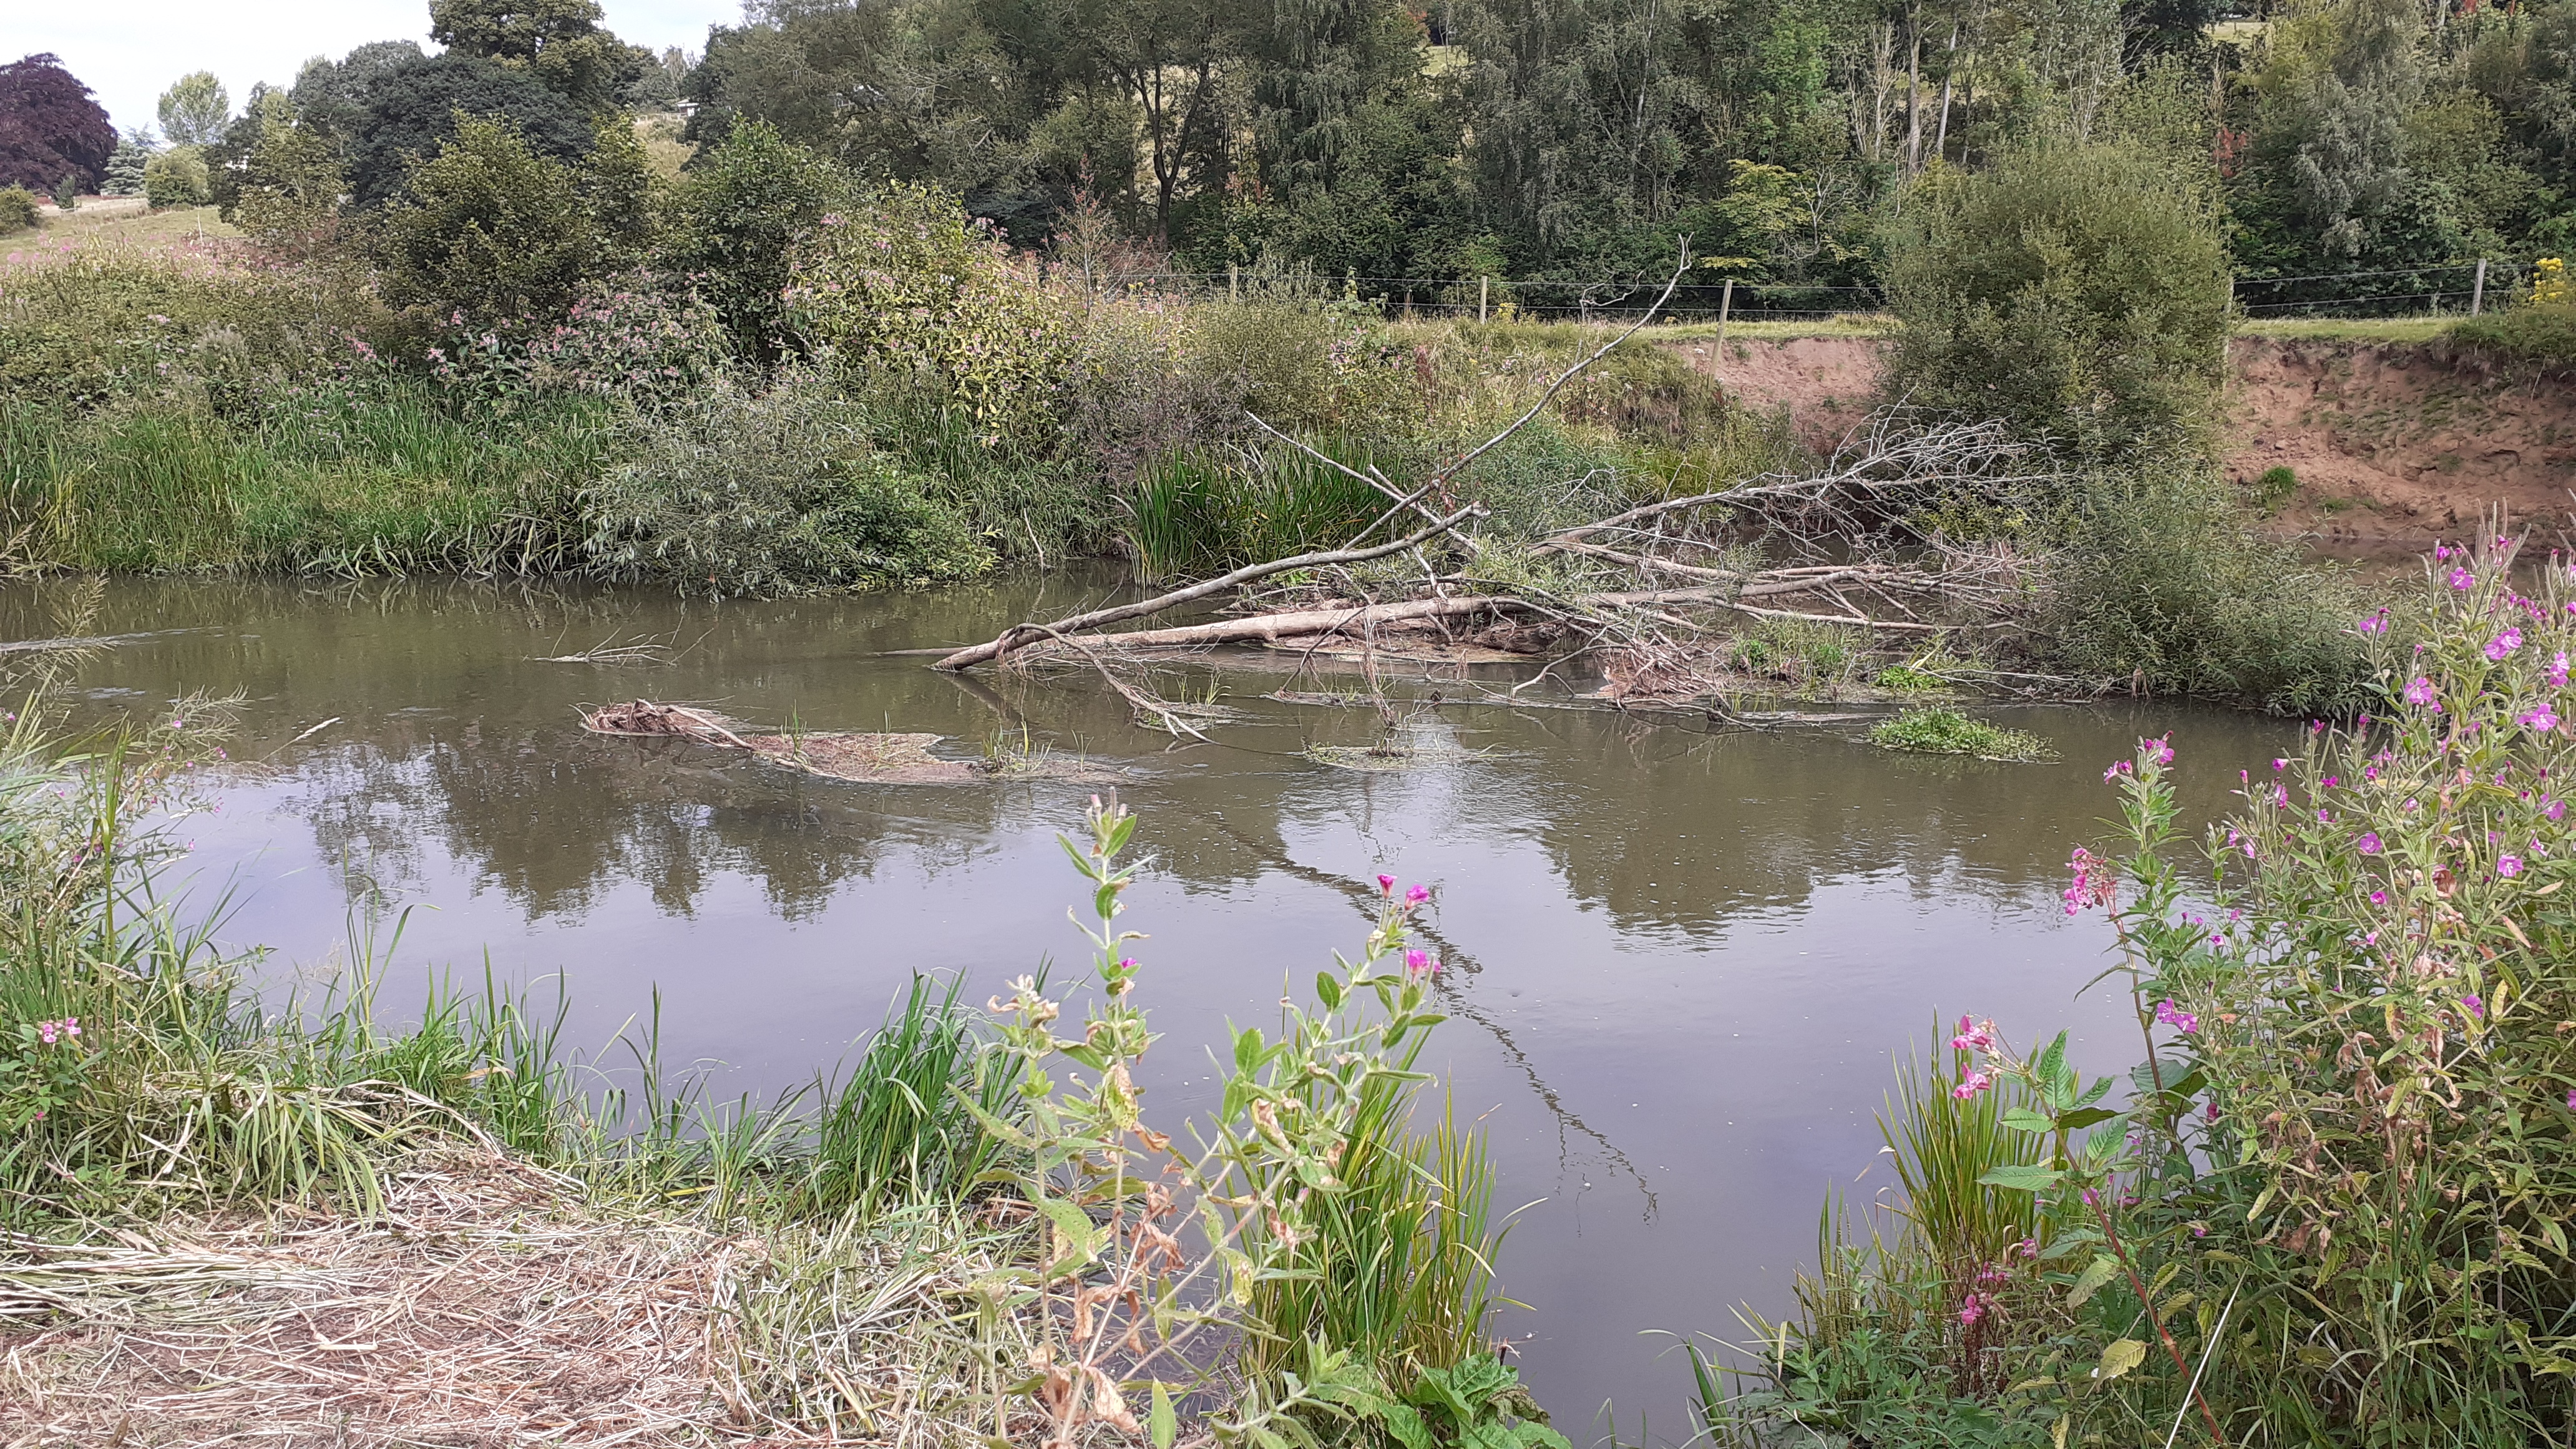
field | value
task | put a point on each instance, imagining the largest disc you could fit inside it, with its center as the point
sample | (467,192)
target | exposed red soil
(2393,446)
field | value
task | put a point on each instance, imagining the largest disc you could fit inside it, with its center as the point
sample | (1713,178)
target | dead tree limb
(1019,635)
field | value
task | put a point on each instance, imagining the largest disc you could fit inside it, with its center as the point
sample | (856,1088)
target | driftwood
(1021,635)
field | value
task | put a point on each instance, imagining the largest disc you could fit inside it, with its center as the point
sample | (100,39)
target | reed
(1195,513)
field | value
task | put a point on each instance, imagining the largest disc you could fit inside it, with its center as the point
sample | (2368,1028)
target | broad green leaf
(1247,1049)
(2022,1179)
(1328,991)
(1070,1221)
(1163,1425)
(2022,1119)
(2101,1270)
(2083,1117)
(2121,1357)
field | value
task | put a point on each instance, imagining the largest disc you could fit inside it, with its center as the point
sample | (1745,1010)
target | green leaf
(2022,1179)
(1163,1425)
(2022,1119)
(2101,1270)
(1328,991)
(2121,1357)
(1247,1049)
(2086,1117)
(1069,1220)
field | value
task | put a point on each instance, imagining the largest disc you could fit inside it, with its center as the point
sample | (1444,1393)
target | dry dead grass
(488,1306)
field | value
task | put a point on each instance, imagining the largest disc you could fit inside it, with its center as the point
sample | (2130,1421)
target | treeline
(1573,139)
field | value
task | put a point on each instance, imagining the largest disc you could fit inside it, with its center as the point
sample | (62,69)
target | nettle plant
(1154,1247)
(2359,1126)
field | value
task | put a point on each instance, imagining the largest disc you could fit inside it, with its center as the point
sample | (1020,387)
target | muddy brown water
(1680,962)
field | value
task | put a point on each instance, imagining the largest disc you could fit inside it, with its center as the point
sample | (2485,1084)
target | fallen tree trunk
(1308,623)
(1021,635)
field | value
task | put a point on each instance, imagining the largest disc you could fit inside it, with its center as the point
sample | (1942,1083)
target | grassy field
(117,221)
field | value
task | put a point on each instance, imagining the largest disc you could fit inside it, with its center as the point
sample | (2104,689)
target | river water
(1680,961)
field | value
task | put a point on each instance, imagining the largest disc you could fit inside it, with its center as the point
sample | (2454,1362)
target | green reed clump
(1399,1265)
(899,1127)
(1195,513)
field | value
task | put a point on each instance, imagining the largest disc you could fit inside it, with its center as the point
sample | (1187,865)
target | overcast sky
(129,51)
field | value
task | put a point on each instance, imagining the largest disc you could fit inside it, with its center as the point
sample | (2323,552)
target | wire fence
(2434,289)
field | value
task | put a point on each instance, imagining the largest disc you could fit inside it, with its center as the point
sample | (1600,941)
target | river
(1680,960)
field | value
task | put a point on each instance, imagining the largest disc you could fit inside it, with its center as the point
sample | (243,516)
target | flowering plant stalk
(1125,1306)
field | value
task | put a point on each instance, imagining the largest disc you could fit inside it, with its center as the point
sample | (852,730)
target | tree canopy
(51,128)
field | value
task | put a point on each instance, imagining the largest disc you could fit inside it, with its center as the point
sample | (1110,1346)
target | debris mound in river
(898,759)
(877,759)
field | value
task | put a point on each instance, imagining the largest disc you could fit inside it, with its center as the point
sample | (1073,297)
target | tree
(489,228)
(410,111)
(2080,293)
(738,216)
(50,127)
(176,177)
(288,192)
(195,109)
(331,95)
(125,167)
(559,42)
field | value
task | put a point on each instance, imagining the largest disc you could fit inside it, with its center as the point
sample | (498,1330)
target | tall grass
(894,1129)
(329,479)
(1195,513)
(1399,1266)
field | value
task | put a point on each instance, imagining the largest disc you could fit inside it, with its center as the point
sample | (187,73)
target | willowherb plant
(1155,1248)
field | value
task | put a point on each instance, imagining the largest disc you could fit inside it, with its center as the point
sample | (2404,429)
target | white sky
(128,51)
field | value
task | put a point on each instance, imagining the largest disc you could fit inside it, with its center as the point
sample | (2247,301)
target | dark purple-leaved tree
(50,127)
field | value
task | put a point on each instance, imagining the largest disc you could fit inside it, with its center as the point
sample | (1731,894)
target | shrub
(17,209)
(2079,292)
(737,217)
(2155,580)
(772,493)
(105,322)
(907,285)
(488,229)
(176,177)
(2539,329)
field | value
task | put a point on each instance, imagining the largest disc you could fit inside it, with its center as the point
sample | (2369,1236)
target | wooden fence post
(1481,284)
(2478,288)
(1725,304)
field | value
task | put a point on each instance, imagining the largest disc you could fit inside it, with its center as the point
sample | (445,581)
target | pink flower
(2558,671)
(2095,883)
(1386,885)
(2281,764)
(2503,644)
(2542,718)
(1420,963)
(2509,866)
(2369,842)
(2177,1018)
(2419,690)
(2112,775)
(1977,1081)
(2379,898)
(1972,1310)
(2462,578)
(2474,1007)
(1417,895)
(2157,751)
(2375,623)
(1980,1037)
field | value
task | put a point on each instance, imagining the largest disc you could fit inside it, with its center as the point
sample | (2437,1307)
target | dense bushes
(779,492)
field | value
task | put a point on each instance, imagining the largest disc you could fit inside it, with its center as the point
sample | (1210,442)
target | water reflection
(1678,961)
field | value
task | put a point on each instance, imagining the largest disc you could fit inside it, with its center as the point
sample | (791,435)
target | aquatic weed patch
(1938,731)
